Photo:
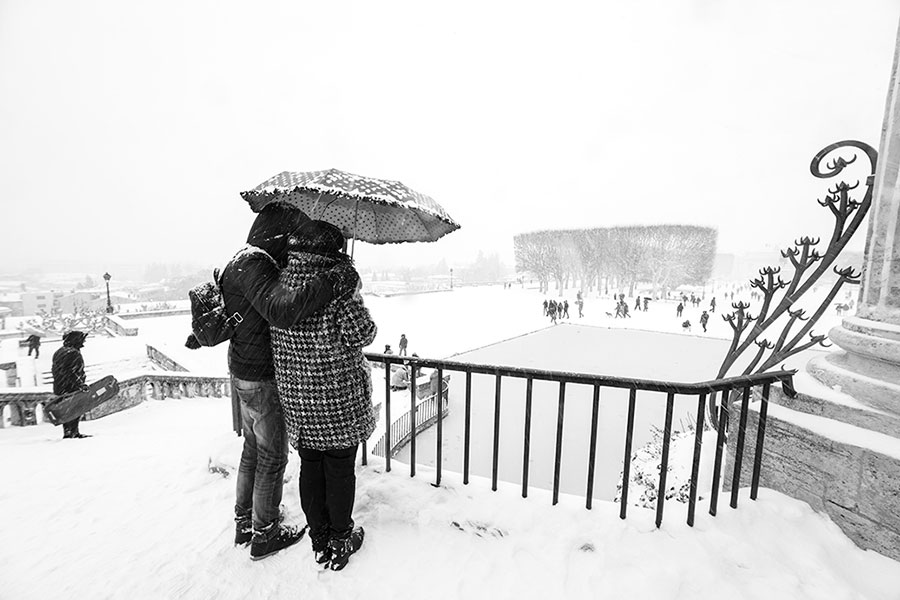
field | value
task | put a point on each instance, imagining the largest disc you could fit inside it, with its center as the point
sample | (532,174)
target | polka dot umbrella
(378,211)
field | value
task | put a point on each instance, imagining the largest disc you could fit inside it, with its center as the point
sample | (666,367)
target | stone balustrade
(24,406)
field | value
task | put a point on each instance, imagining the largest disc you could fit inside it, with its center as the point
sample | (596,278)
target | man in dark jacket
(250,288)
(68,374)
(34,344)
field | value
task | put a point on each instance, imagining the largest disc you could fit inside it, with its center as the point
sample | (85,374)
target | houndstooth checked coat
(324,380)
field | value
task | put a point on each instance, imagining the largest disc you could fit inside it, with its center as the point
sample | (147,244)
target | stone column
(868,365)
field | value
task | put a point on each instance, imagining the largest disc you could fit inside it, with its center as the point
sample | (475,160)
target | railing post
(468,426)
(496,456)
(720,445)
(438,401)
(592,453)
(664,463)
(695,467)
(388,424)
(626,471)
(739,451)
(412,421)
(527,437)
(760,438)
(557,461)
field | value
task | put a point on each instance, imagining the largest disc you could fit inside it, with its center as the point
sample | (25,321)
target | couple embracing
(299,375)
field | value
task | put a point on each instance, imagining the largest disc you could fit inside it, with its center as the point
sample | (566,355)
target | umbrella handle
(353,243)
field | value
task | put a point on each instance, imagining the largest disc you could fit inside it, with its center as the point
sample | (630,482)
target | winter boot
(341,549)
(243,530)
(321,550)
(243,527)
(284,537)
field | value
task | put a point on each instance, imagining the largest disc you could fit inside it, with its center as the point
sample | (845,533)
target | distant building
(34,303)
(14,303)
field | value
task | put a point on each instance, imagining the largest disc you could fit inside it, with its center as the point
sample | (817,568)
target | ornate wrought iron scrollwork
(779,296)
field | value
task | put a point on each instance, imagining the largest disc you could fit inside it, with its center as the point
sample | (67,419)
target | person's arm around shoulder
(356,327)
(280,305)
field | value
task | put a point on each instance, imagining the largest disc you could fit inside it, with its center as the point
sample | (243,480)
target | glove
(192,342)
(344,280)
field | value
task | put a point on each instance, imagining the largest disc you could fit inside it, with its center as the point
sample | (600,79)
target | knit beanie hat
(318,237)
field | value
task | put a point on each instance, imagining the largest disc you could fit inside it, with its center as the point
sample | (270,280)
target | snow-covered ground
(135,513)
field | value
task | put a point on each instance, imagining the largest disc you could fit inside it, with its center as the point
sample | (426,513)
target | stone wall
(857,487)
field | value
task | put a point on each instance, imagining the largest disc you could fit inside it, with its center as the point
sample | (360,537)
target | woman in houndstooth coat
(325,386)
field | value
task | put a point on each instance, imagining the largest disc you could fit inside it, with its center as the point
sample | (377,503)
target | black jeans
(327,491)
(70,428)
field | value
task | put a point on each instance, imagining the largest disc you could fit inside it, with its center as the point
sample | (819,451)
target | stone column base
(869,367)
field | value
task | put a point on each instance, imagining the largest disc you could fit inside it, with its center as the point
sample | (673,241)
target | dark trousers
(37,351)
(327,491)
(70,428)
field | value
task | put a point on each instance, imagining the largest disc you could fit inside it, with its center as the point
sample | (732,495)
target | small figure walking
(646,302)
(679,309)
(34,343)
(546,307)
(552,310)
(402,344)
(637,303)
(712,305)
(704,319)
(565,308)
(579,300)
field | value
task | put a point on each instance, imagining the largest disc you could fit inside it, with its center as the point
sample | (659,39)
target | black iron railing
(700,390)
(401,429)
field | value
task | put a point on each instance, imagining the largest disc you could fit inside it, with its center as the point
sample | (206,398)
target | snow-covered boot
(321,551)
(341,549)
(243,530)
(266,544)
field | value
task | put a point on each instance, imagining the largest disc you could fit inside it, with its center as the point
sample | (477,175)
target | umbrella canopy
(378,211)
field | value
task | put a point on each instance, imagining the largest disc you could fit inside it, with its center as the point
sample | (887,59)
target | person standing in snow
(566,308)
(712,305)
(250,287)
(579,300)
(646,302)
(546,307)
(403,342)
(34,344)
(552,311)
(637,303)
(326,392)
(68,375)
(704,319)
(679,309)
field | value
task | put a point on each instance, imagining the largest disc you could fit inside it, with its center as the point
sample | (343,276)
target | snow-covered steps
(815,398)
(843,459)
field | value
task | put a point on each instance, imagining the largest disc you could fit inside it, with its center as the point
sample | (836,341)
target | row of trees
(663,256)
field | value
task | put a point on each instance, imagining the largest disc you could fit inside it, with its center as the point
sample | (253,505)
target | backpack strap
(236,319)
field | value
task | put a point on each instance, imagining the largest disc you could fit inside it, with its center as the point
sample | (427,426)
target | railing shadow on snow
(429,413)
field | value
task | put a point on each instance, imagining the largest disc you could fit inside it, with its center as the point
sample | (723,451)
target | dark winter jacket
(251,288)
(324,380)
(68,370)
(34,341)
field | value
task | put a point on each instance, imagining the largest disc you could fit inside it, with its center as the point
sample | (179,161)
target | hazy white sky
(128,129)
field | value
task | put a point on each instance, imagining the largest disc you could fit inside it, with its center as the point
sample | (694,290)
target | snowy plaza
(149,487)
(466,301)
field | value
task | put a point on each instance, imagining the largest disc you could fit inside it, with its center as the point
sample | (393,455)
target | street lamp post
(451,279)
(109,308)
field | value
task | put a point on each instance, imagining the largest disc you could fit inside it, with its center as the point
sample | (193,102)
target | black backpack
(210,323)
